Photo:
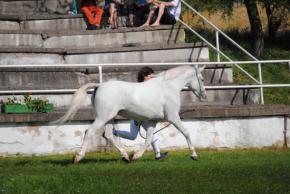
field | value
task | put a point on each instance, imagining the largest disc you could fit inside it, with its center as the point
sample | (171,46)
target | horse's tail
(76,102)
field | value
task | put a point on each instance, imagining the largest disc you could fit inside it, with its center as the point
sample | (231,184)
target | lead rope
(139,126)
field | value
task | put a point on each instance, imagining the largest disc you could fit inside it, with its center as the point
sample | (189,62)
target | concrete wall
(9,25)
(69,79)
(206,133)
(172,55)
(67,22)
(59,24)
(93,40)
(31,7)
(114,39)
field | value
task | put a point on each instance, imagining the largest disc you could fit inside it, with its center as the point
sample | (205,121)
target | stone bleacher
(32,7)
(62,39)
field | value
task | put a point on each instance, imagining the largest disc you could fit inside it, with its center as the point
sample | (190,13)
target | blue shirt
(141,2)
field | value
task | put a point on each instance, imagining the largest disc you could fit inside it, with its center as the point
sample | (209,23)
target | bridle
(200,93)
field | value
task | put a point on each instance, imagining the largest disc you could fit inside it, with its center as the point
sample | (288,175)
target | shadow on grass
(67,162)
(23,163)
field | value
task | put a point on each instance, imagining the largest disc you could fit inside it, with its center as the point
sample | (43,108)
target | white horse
(149,102)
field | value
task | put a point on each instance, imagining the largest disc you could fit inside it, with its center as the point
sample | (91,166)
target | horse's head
(196,83)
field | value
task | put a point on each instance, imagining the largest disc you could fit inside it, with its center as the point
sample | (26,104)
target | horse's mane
(172,73)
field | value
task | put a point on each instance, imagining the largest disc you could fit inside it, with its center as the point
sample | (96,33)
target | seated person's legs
(150,15)
(137,14)
(98,16)
(115,16)
(115,8)
(141,14)
(86,10)
(131,10)
(112,10)
(164,16)
(167,18)
(160,14)
(93,15)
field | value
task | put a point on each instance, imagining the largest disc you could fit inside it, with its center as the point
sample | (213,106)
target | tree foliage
(277,13)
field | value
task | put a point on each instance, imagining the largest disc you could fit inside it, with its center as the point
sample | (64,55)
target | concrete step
(96,38)
(15,79)
(215,97)
(51,22)
(31,7)
(43,22)
(126,54)
(37,78)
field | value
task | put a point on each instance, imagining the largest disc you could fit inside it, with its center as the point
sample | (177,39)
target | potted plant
(30,105)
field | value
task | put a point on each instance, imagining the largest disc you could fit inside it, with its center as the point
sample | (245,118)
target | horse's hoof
(125,160)
(131,157)
(75,160)
(194,158)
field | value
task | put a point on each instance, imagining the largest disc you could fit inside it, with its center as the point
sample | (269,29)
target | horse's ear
(201,68)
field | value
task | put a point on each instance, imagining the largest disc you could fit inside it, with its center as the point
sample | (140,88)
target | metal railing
(219,52)
(259,82)
(101,66)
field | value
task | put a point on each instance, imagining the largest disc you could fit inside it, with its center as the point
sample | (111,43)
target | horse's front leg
(149,127)
(176,121)
(110,137)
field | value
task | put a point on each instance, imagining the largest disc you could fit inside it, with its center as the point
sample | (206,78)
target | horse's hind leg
(97,125)
(149,126)
(110,137)
(175,120)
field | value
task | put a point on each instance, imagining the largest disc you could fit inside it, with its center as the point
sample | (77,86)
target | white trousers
(133,133)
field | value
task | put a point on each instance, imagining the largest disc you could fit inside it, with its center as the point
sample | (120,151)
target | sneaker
(93,27)
(162,156)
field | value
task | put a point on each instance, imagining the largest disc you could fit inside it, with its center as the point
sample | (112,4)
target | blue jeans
(133,133)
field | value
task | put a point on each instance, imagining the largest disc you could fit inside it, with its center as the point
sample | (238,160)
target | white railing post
(217,46)
(100,74)
(261,83)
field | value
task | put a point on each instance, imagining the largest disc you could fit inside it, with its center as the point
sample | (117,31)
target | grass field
(239,171)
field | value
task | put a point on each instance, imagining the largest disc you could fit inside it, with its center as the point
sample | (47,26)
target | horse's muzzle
(203,96)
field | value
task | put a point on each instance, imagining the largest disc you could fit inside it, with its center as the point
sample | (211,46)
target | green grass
(239,171)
